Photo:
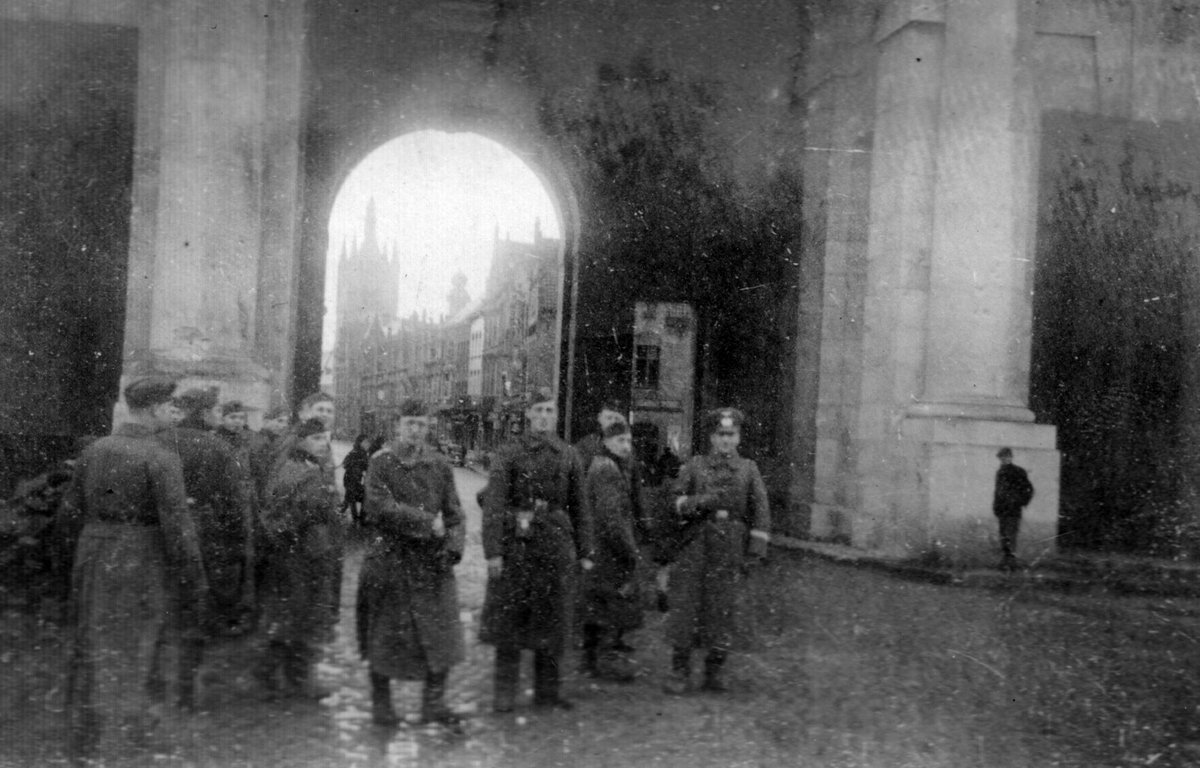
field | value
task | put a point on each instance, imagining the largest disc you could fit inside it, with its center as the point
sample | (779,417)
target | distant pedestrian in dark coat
(536,529)
(611,598)
(1013,492)
(723,510)
(137,563)
(408,624)
(354,468)
(297,519)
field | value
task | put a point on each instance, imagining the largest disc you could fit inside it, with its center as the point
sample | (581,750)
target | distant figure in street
(354,468)
(408,623)
(722,510)
(297,517)
(537,531)
(137,562)
(1013,492)
(611,598)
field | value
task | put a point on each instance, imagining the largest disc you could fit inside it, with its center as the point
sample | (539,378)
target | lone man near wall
(1013,492)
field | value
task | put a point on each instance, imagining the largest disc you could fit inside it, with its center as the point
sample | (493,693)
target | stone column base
(236,378)
(955,462)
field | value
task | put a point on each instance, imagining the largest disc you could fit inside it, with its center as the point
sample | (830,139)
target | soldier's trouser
(546,679)
(1009,525)
(191,656)
(507,675)
(433,694)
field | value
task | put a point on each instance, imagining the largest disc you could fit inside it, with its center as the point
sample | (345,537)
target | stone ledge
(1072,573)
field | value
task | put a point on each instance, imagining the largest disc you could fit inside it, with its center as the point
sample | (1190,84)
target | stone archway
(333,154)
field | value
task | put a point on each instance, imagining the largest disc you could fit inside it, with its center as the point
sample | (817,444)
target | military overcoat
(217,485)
(706,578)
(408,621)
(531,604)
(611,596)
(137,564)
(298,518)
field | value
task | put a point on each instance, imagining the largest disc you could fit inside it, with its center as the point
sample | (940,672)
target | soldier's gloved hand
(586,564)
(495,566)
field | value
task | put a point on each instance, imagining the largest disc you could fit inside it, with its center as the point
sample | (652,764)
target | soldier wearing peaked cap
(408,622)
(137,564)
(721,507)
(537,530)
(298,512)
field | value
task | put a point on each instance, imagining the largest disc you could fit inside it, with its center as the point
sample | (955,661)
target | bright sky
(438,197)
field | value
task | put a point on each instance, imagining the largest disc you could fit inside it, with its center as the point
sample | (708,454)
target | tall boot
(680,679)
(506,677)
(714,677)
(298,673)
(588,665)
(433,702)
(546,681)
(382,712)
(266,670)
(191,655)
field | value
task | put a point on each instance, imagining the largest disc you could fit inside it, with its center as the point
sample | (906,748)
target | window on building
(646,366)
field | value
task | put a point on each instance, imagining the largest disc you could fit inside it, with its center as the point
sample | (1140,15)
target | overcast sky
(438,197)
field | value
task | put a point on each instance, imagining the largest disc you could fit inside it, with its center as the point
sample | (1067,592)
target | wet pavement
(848,667)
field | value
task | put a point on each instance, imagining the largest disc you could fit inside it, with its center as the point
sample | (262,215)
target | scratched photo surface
(588,383)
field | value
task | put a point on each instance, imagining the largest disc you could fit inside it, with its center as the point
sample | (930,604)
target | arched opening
(444,281)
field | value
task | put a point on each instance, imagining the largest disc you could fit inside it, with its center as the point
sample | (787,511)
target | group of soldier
(189,532)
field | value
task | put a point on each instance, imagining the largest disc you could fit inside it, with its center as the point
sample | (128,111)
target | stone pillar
(195,284)
(974,389)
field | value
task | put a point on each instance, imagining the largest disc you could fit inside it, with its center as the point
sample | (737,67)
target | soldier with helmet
(724,522)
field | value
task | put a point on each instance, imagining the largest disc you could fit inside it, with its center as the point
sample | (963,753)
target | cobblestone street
(852,668)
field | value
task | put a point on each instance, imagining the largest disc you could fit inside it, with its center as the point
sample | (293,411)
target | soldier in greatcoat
(297,519)
(611,598)
(408,622)
(137,563)
(721,507)
(320,406)
(216,485)
(537,532)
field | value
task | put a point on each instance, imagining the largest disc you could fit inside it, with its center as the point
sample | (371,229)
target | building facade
(862,201)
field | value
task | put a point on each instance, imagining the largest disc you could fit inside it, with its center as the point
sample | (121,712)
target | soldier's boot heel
(301,681)
(714,672)
(433,704)
(680,680)
(547,682)
(382,711)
